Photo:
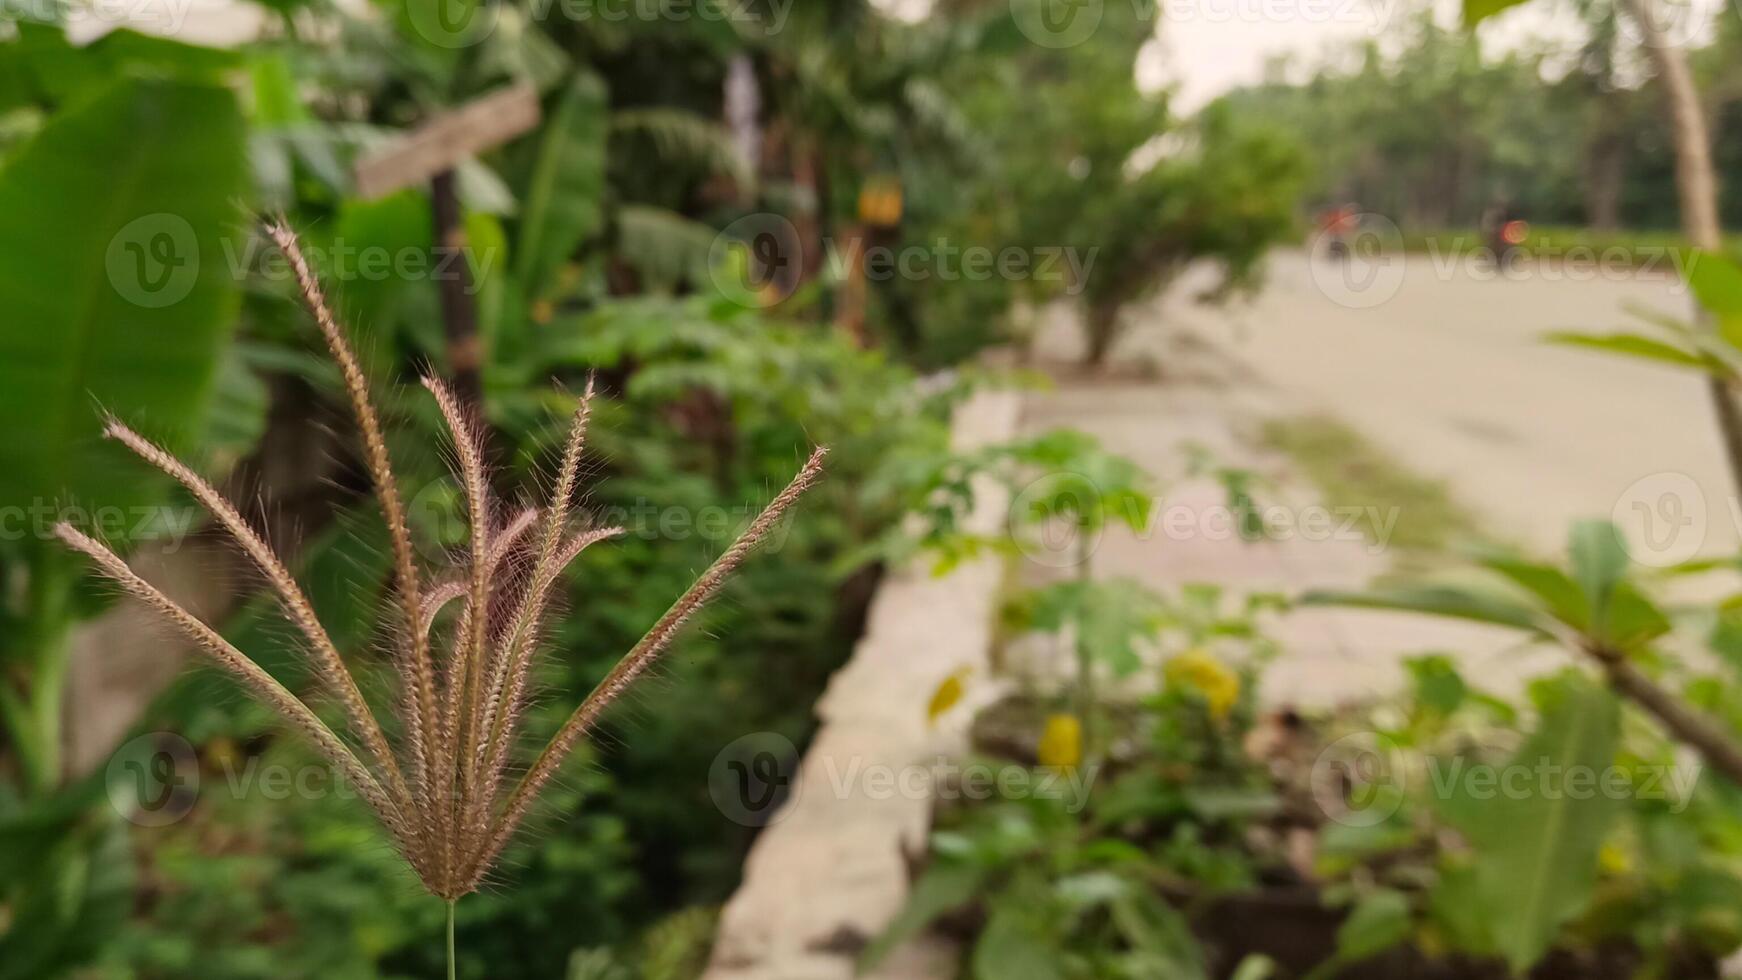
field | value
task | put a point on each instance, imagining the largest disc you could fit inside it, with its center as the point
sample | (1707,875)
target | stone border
(831,871)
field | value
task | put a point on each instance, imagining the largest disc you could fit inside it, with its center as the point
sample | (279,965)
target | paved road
(1442,365)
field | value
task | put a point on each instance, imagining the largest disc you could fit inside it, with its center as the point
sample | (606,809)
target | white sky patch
(1204,48)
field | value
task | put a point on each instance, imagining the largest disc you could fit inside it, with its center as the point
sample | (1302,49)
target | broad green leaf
(1476,11)
(116,287)
(1379,921)
(1599,563)
(1725,639)
(1632,620)
(1456,907)
(487,278)
(563,199)
(1535,824)
(1717,284)
(943,887)
(1635,345)
(1438,685)
(61,72)
(1016,947)
(239,406)
(1558,593)
(1161,934)
(276,100)
(373,307)
(1437,600)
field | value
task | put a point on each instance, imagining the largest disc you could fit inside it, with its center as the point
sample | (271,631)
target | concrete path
(1328,656)
(1442,365)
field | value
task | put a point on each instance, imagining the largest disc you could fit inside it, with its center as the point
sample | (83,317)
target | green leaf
(1438,685)
(1379,922)
(1558,593)
(1632,620)
(66,876)
(62,72)
(1456,907)
(1014,946)
(1717,284)
(375,305)
(116,286)
(1092,889)
(1536,823)
(1599,563)
(1453,602)
(682,135)
(238,416)
(1161,934)
(944,886)
(1477,11)
(1113,619)
(1635,345)
(276,101)
(563,197)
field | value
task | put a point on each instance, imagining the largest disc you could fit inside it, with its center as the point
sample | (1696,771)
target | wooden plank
(447,139)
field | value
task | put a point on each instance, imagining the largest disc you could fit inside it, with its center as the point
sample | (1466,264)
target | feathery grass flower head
(444,788)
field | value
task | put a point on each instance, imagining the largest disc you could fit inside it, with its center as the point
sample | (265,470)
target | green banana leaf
(117,292)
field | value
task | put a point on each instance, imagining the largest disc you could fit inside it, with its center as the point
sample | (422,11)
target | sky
(1202,49)
(1206,47)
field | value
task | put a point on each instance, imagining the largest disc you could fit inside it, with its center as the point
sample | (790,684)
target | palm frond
(681,135)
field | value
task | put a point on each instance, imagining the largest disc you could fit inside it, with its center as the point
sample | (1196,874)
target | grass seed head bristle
(444,793)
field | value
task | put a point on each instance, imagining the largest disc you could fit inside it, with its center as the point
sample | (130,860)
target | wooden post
(459,313)
(431,153)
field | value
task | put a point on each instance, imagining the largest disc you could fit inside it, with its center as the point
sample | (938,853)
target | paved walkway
(1204,397)
(1328,656)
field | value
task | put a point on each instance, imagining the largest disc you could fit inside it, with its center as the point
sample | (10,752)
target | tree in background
(1110,175)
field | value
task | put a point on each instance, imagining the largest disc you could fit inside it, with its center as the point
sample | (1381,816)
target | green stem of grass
(451,965)
(1088,705)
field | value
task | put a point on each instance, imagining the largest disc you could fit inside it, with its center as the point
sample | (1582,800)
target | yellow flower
(948,694)
(1203,673)
(1615,859)
(1061,744)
